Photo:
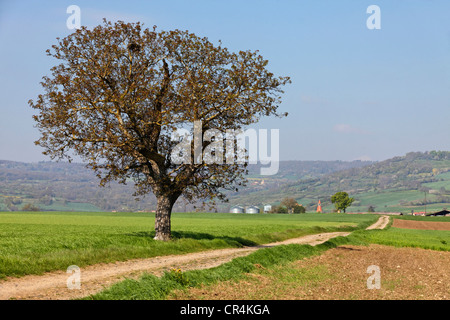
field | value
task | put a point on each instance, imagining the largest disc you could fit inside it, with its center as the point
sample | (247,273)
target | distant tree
(30,207)
(371,209)
(289,203)
(46,200)
(16,201)
(282,209)
(342,201)
(279,209)
(11,207)
(121,92)
(7,201)
(299,209)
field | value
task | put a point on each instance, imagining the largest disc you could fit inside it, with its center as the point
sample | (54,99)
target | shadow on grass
(178,235)
(347,248)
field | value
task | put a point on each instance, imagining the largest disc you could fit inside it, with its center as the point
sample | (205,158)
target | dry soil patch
(422,225)
(341,274)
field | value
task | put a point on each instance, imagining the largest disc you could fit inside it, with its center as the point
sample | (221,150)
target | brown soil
(341,274)
(423,225)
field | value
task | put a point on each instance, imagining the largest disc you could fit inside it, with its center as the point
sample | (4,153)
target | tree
(289,203)
(279,209)
(299,209)
(46,200)
(30,207)
(120,94)
(342,200)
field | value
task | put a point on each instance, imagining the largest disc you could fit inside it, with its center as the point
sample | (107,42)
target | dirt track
(53,285)
(380,224)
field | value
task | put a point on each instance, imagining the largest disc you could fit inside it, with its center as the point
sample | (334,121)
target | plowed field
(422,225)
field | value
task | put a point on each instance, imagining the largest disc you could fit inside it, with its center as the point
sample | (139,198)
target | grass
(34,243)
(398,237)
(426,239)
(70,206)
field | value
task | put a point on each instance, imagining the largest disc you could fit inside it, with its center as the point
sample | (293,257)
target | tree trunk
(162,218)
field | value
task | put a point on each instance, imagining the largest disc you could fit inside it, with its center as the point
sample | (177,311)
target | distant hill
(397,184)
(70,186)
(63,187)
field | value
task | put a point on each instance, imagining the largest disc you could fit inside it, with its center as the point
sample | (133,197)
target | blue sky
(355,94)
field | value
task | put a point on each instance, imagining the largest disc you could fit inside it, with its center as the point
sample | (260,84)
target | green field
(33,243)
(391,201)
(388,198)
(426,239)
(445,177)
(36,242)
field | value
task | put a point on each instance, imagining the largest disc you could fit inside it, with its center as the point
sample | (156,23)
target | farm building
(440,213)
(267,208)
(252,209)
(237,209)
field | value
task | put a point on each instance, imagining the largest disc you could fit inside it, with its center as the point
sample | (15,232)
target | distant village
(268,208)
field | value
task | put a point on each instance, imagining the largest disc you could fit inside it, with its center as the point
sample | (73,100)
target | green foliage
(279,209)
(289,203)
(342,200)
(178,276)
(299,209)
